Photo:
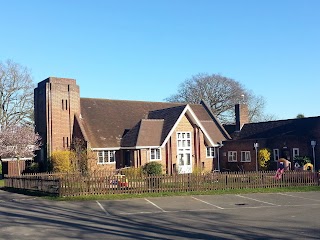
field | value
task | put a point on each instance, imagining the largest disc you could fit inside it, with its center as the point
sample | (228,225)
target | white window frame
(232,156)
(184,152)
(276,154)
(155,154)
(210,152)
(295,153)
(106,157)
(247,155)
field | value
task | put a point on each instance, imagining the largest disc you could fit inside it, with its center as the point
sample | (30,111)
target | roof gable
(147,133)
(118,123)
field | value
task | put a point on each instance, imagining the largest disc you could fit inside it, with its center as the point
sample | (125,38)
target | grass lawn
(213,192)
(145,195)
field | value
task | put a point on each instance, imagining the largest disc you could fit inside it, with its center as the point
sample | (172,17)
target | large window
(184,151)
(210,152)
(245,156)
(276,155)
(155,154)
(232,156)
(105,157)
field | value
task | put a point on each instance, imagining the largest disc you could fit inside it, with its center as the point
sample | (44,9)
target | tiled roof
(290,127)
(146,133)
(115,123)
(213,131)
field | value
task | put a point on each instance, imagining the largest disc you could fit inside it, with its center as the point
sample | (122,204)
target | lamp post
(256,145)
(313,144)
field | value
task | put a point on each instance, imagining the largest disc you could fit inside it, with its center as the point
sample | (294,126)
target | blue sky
(143,50)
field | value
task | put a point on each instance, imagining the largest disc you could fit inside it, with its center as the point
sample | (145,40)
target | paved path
(247,216)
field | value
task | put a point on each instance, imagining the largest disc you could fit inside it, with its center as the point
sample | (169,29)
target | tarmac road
(247,216)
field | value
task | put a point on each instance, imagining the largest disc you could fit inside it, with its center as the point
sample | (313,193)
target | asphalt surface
(247,216)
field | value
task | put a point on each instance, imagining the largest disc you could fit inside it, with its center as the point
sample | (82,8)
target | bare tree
(16,94)
(221,94)
(18,141)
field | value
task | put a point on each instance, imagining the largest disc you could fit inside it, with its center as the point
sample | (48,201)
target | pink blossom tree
(18,141)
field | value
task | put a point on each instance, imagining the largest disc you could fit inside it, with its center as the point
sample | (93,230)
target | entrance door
(127,158)
(184,151)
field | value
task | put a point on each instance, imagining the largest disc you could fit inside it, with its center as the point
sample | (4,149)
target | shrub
(264,158)
(152,168)
(32,168)
(62,161)
(132,172)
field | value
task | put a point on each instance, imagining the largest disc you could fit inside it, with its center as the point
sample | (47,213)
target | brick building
(182,137)
(289,139)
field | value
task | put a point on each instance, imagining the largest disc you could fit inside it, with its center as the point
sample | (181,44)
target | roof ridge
(127,100)
(151,119)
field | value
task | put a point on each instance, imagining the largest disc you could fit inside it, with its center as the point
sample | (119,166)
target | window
(155,154)
(106,157)
(275,154)
(210,152)
(232,156)
(245,156)
(295,153)
(184,150)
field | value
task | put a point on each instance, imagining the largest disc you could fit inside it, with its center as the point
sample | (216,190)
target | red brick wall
(54,121)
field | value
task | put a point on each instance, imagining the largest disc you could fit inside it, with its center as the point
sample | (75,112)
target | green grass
(213,192)
(148,195)
(1,183)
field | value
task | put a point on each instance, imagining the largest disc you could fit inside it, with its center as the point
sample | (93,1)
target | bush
(152,168)
(132,172)
(264,158)
(32,168)
(62,161)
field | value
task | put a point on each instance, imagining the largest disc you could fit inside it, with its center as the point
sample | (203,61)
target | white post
(313,144)
(256,145)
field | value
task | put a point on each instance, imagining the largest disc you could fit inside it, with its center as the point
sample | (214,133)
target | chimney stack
(242,115)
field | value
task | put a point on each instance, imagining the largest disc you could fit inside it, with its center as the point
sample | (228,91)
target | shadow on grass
(52,196)
(27,192)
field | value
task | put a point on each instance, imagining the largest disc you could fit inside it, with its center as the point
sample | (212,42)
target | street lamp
(313,144)
(256,145)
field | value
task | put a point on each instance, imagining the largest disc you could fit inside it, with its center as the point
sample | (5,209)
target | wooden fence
(94,184)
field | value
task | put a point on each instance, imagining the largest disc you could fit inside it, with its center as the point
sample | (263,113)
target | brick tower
(56,101)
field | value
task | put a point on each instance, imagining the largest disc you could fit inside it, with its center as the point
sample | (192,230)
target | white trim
(234,153)
(245,152)
(106,159)
(15,159)
(196,121)
(183,151)
(156,159)
(105,149)
(214,152)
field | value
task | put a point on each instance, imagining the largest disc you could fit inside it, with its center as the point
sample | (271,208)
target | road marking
(284,194)
(22,199)
(258,200)
(207,203)
(155,205)
(105,211)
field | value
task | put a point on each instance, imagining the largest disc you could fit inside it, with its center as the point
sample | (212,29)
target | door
(184,150)
(127,158)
